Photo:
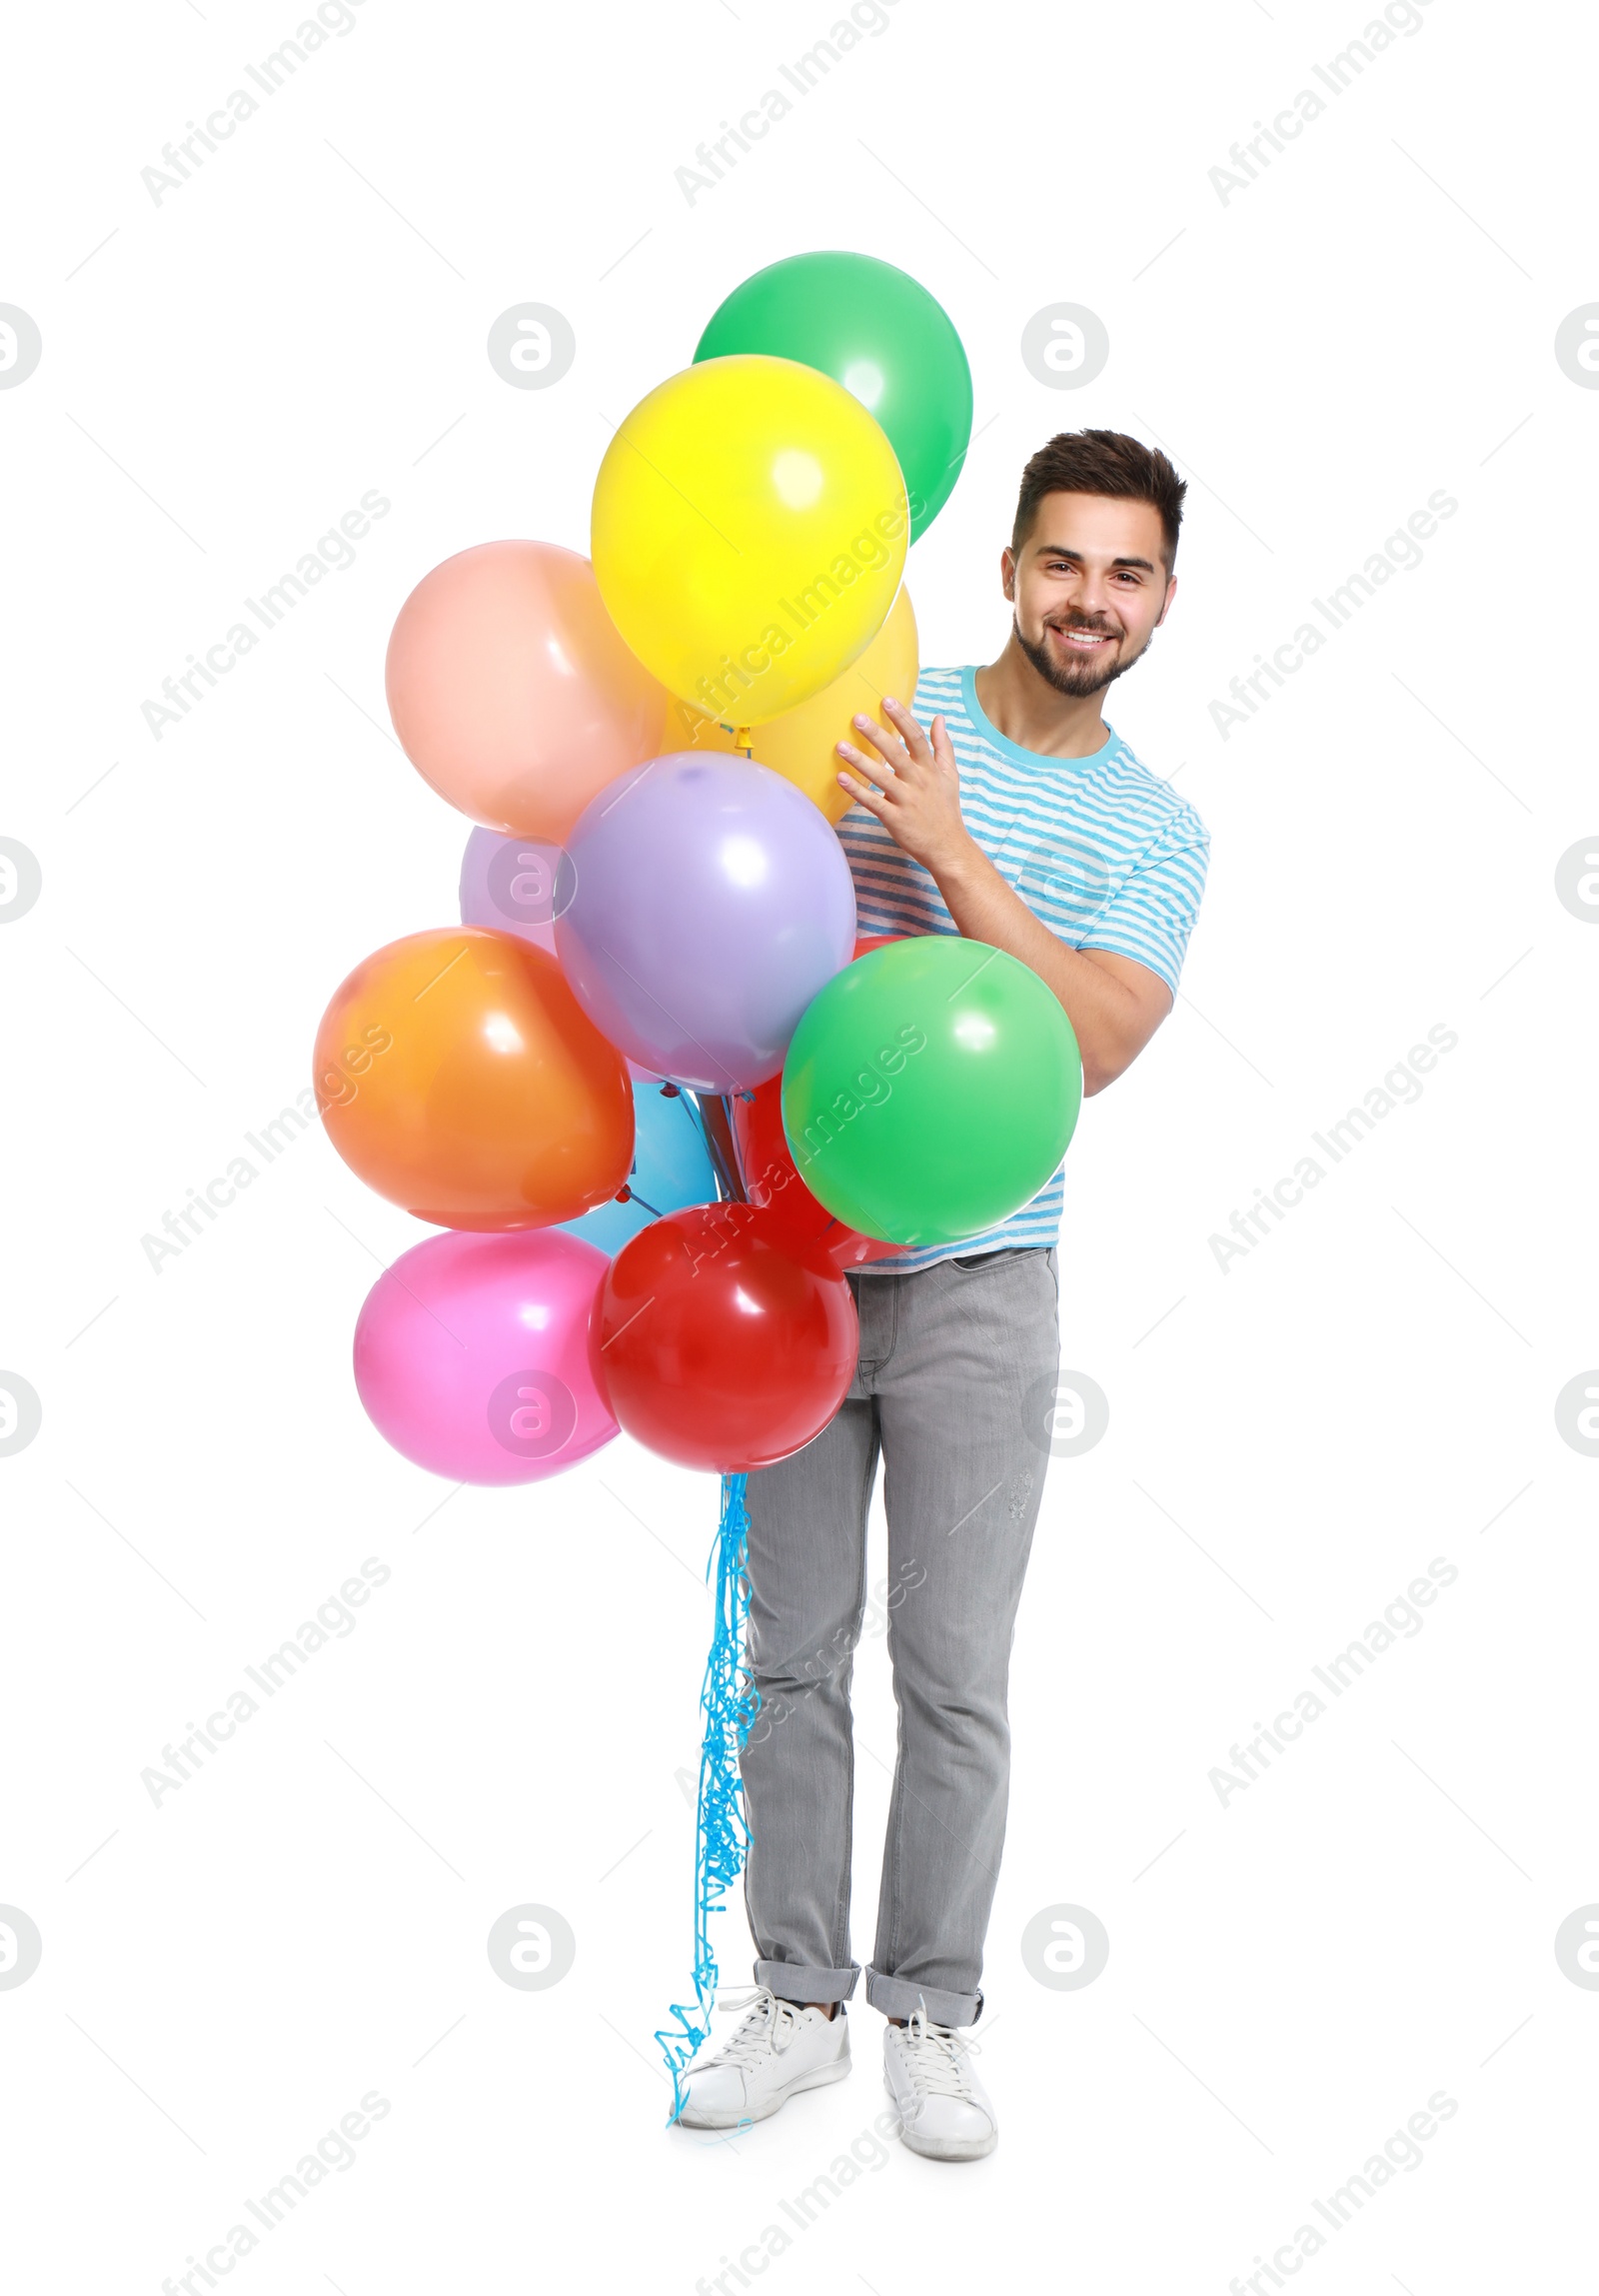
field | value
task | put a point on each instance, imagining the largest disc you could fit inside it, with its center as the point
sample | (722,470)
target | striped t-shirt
(1099,849)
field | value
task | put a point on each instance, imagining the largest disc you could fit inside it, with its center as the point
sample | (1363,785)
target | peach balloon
(801,743)
(512,692)
(458,1076)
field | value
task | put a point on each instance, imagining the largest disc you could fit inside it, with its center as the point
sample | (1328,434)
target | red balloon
(771,1181)
(716,1347)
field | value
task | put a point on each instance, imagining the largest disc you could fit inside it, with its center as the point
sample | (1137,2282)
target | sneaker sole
(951,2148)
(943,2148)
(820,2079)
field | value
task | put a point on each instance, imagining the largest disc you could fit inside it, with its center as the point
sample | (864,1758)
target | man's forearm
(1102,1013)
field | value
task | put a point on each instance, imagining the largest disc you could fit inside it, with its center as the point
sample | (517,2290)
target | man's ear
(1171,592)
(1008,573)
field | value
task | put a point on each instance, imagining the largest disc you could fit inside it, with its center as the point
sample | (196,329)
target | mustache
(1091,629)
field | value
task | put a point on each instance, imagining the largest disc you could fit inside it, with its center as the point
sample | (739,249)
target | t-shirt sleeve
(1152,914)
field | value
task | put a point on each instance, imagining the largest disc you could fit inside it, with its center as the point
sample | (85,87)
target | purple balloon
(515,885)
(712,903)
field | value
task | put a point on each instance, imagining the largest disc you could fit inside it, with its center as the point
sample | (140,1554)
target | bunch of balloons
(648,1087)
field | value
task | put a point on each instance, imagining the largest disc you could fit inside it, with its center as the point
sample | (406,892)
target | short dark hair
(1103,463)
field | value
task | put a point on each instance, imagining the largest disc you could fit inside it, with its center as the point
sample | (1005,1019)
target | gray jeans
(953,1388)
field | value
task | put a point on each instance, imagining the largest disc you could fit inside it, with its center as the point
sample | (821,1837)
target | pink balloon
(510,690)
(472,1355)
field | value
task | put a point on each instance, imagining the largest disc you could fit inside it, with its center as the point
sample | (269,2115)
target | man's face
(1090,585)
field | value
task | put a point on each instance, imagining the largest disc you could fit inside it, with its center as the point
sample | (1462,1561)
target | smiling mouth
(1082,641)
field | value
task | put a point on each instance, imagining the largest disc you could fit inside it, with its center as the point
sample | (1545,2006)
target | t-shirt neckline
(1015,749)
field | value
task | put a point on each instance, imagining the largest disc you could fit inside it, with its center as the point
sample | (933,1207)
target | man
(1024,821)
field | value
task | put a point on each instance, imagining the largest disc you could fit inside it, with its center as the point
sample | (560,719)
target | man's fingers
(876,770)
(862,793)
(893,749)
(910,731)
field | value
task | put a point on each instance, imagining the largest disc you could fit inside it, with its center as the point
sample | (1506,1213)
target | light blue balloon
(670,1168)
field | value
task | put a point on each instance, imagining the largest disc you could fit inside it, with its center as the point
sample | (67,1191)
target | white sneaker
(777,2051)
(943,2108)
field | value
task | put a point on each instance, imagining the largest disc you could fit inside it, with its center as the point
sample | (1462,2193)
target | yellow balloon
(748,535)
(801,743)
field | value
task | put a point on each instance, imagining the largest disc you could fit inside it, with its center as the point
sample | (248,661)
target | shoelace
(937,2057)
(770,2026)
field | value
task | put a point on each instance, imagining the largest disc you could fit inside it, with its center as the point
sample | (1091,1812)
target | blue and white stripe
(1100,850)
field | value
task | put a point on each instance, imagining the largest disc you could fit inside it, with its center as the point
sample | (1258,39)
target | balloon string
(729,1702)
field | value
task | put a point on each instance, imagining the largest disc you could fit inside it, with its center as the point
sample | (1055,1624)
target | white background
(1373,1386)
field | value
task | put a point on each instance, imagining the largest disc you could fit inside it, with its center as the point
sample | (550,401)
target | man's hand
(913,786)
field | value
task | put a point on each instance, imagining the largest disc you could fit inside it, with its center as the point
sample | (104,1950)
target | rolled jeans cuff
(794,1981)
(898,1997)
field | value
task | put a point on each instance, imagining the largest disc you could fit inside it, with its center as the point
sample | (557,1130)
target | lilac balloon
(515,885)
(712,903)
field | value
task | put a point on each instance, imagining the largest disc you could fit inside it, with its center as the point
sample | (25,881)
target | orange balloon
(800,744)
(511,691)
(458,1076)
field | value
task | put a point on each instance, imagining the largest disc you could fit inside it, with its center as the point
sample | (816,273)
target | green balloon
(930,1090)
(882,336)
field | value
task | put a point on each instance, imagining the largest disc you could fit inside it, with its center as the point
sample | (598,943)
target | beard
(1091,675)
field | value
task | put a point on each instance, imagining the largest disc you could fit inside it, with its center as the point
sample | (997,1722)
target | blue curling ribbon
(729,1703)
